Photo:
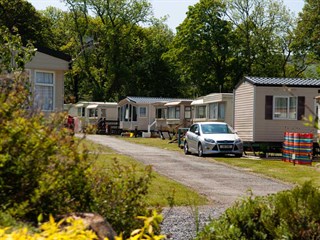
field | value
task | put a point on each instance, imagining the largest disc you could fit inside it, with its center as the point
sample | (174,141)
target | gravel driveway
(220,183)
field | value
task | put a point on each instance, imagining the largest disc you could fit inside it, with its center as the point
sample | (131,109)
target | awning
(197,102)
(92,106)
(172,103)
(79,105)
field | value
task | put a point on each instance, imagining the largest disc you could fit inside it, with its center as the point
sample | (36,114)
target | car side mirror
(197,132)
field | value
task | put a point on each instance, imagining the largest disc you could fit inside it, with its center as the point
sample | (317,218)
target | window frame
(146,112)
(197,111)
(288,108)
(53,85)
(176,112)
(187,112)
(163,112)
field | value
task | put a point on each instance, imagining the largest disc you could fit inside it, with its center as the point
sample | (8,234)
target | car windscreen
(215,128)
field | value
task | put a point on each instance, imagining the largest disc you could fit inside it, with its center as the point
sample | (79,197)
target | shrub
(120,194)
(76,229)
(41,170)
(292,214)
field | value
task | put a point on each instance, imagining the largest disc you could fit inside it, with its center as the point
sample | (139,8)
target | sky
(175,9)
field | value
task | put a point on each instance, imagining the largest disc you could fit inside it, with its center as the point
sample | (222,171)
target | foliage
(20,17)
(39,161)
(76,229)
(292,214)
(306,39)
(147,231)
(104,46)
(12,55)
(202,49)
(263,31)
(308,30)
(120,193)
(42,170)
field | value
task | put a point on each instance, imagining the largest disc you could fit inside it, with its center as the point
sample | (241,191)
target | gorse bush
(292,214)
(76,230)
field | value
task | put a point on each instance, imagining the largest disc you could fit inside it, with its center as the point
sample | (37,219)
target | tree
(20,16)
(264,31)
(101,62)
(308,30)
(306,42)
(150,74)
(201,49)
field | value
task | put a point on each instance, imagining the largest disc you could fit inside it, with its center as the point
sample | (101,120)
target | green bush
(42,169)
(292,214)
(72,229)
(120,195)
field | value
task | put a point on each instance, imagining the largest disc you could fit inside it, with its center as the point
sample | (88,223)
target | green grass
(162,192)
(284,171)
(154,142)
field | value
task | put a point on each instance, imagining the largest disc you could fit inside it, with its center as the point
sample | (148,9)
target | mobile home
(214,107)
(266,108)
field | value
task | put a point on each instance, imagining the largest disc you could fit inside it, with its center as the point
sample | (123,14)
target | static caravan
(215,107)
(173,115)
(266,108)
(90,113)
(150,113)
(46,71)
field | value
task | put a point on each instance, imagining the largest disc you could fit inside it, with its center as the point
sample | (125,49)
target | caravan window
(128,113)
(201,112)
(174,112)
(161,113)
(285,108)
(142,111)
(44,90)
(217,111)
(187,112)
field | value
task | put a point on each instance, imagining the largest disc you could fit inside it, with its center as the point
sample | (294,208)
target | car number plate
(225,146)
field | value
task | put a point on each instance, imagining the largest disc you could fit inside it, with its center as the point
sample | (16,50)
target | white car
(212,138)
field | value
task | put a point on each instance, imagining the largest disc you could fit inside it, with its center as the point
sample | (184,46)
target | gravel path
(220,183)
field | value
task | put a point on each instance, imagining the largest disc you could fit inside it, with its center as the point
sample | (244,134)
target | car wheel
(238,155)
(186,148)
(200,150)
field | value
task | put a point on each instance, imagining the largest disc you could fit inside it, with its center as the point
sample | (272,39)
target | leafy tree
(306,43)
(150,74)
(20,16)
(102,61)
(201,49)
(308,30)
(264,31)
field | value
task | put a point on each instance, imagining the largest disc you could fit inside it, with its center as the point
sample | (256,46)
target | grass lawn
(162,192)
(154,142)
(278,169)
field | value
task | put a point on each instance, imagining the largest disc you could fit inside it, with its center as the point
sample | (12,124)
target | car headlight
(210,140)
(238,140)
